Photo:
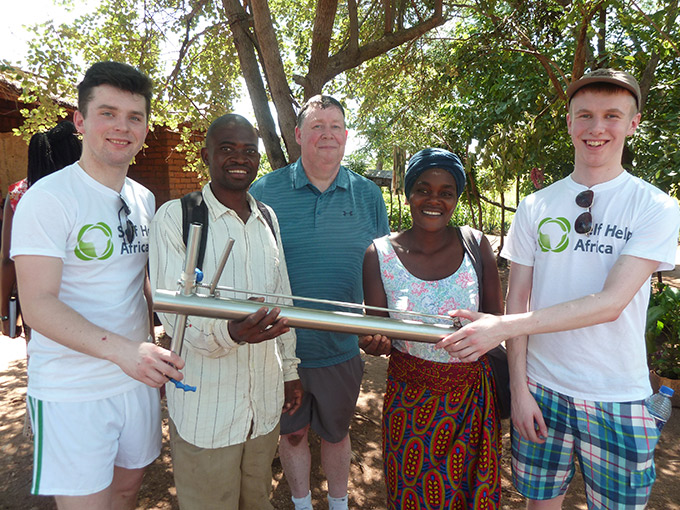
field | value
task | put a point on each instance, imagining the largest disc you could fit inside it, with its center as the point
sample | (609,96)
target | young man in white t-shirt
(582,252)
(80,245)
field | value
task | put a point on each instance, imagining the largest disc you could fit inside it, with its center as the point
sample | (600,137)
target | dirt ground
(366,480)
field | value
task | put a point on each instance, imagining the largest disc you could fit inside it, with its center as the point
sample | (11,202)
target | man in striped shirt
(224,436)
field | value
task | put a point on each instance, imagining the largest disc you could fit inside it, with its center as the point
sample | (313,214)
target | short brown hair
(319,101)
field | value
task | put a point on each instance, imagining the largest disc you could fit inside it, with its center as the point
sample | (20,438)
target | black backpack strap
(194,210)
(267,216)
(498,357)
(475,252)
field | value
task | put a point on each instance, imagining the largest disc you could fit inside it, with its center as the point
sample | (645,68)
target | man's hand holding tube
(476,338)
(259,326)
(375,344)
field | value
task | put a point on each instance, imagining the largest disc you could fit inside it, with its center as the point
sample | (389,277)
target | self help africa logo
(553,234)
(95,242)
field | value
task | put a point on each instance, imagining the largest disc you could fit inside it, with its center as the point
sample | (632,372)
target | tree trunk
(321,43)
(322,67)
(240,27)
(276,76)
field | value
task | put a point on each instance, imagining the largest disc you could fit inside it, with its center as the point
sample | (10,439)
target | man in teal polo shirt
(328,216)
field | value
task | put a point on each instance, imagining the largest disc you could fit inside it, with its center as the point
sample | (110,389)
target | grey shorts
(330,398)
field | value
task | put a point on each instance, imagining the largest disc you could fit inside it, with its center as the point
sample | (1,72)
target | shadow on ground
(366,481)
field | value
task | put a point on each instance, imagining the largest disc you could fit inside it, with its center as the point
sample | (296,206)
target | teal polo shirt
(324,236)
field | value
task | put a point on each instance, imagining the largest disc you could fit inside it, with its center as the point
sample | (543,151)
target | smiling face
(433,199)
(322,137)
(232,156)
(113,127)
(599,123)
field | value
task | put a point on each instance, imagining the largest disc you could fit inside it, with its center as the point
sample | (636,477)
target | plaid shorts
(614,442)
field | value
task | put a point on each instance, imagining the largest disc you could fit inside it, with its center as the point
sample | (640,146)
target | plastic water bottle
(660,406)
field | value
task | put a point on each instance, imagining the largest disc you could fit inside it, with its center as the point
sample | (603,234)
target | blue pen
(180,385)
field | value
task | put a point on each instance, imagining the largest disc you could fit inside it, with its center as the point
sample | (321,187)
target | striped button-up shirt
(240,389)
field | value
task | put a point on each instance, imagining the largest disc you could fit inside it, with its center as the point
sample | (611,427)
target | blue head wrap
(434,158)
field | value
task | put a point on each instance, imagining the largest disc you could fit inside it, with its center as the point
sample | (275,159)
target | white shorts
(77,444)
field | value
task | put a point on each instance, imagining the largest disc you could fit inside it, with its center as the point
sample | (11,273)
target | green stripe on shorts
(35,407)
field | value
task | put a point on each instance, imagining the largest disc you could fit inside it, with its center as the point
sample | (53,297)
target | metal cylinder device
(298,317)
(187,282)
(186,301)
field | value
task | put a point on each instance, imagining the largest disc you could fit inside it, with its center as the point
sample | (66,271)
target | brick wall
(159,167)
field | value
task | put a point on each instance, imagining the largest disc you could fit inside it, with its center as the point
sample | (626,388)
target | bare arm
(374,295)
(39,280)
(8,278)
(526,416)
(625,278)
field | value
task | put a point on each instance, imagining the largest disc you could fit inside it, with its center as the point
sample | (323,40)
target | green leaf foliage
(488,84)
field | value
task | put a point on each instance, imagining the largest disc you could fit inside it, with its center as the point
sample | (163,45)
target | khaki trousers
(237,477)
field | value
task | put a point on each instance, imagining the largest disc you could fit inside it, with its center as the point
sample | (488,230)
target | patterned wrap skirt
(441,435)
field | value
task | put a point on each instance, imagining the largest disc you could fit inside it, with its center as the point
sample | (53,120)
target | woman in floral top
(441,430)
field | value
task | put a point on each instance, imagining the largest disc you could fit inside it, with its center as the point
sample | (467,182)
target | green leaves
(491,79)
(663,332)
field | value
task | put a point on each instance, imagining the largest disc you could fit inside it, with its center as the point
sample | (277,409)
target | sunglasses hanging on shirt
(584,222)
(126,225)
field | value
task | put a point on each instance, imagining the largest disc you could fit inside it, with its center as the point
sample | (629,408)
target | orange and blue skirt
(441,435)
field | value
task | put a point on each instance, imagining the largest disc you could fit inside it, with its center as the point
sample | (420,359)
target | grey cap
(613,76)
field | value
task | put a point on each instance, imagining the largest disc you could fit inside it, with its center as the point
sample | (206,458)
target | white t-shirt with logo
(605,362)
(71,216)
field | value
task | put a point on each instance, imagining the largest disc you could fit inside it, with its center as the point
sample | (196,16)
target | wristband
(4,318)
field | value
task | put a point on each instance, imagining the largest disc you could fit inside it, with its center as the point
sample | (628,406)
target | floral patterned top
(16,191)
(409,293)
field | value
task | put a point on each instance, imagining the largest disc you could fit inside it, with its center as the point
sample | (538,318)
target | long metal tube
(337,304)
(187,282)
(306,318)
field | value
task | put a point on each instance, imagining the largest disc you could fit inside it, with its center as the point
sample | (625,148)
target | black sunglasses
(584,222)
(128,228)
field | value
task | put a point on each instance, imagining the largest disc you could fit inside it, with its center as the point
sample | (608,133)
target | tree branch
(353,44)
(670,20)
(497,204)
(346,59)
(389,16)
(650,69)
(582,40)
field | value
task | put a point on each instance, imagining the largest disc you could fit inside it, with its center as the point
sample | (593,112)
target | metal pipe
(342,304)
(220,266)
(187,282)
(344,322)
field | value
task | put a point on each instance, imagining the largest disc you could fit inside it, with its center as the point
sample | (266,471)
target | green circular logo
(553,234)
(95,242)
